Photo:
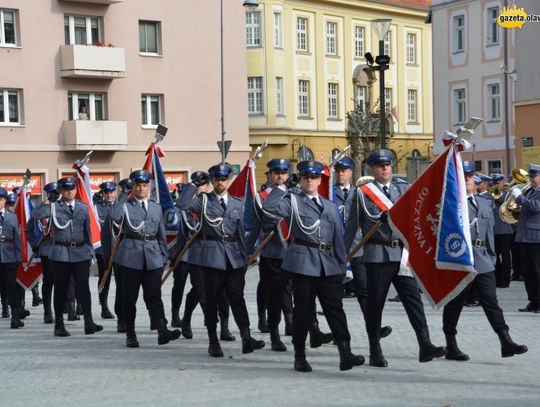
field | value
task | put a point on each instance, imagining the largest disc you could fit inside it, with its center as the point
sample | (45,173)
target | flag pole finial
(260,150)
(161,132)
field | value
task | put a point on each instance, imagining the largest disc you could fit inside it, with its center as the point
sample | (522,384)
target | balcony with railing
(92,61)
(104,135)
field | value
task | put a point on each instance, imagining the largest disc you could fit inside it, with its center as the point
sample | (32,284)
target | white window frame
(3,42)
(359,38)
(148,100)
(331,37)
(280,108)
(4,94)
(491,26)
(333,98)
(91,109)
(494,101)
(253,29)
(459,32)
(490,169)
(278,29)
(158,38)
(460,105)
(88,27)
(411,48)
(412,106)
(387,39)
(303,98)
(255,95)
(387,100)
(302,34)
(361,97)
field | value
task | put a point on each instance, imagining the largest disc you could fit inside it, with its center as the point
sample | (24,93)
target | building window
(82,30)
(492,26)
(411,106)
(459,33)
(359,35)
(302,34)
(460,103)
(10,107)
(387,100)
(478,165)
(278,30)
(86,106)
(411,48)
(494,101)
(494,167)
(361,97)
(7,28)
(149,37)
(333,100)
(151,110)
(331,30)
(303,98)
(279,96)
(255,95)
(387,43)
(253,28)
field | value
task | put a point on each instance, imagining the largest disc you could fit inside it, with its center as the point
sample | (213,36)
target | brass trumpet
(510,210)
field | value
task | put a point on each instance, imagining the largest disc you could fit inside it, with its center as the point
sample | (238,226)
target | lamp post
(249,5)
(381,27)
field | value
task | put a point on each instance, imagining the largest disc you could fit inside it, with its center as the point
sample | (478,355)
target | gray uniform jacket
(104,209)
(32,225)
(307,260)
(482,235)
(10,252)
(183,236)
(139,254)
(528,227)
(275,249)
(374,253)
(77,233)
(501,228)
(344,206)
(215,253)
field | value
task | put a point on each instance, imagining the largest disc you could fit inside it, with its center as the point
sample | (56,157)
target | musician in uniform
(10,257)
(481,226)
(71,252)
(316,261)
(220,251)
(528,236)
(382,256)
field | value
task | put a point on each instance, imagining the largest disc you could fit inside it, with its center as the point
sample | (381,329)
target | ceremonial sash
(384,204)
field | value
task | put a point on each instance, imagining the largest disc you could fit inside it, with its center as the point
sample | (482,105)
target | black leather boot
(214,348)
(59,328)
(452,350)
(318,338)
(5,312)
(175,317)
(277,345)
(89,326)
(47,313)
(376,357)
(16,322)
(131,336)
(72,311)
(428,351)
(288,324)
(263,322)
(105,311)
(121,326)
(347,359)
(36,299)
(186,328)
(508,346)
(225,334)
(249,344)
(165,335)
(385,331)
(300,362)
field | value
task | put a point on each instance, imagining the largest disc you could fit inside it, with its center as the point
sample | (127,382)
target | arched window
(416,153)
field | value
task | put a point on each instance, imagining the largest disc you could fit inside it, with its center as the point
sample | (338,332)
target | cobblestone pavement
(37,369)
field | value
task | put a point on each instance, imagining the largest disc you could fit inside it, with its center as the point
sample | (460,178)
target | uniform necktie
(223,204)
(473,203)
(345,193)
(144,207)
(386,191)
(70,208)
(316,202)
(2,216)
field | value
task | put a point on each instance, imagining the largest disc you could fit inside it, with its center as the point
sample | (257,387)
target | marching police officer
(382,257)
(104,209)
(481,226)
(316,261)
(221,253)
(71,252)
(10,257)
(528,237)
(140,257)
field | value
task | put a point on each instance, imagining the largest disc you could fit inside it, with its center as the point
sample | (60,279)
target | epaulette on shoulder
(80,202)
(234,198)
(400,181)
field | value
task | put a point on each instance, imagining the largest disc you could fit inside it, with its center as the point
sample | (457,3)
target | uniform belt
(136,236)
(6,239)
(479,243)
(69,244)
(319,245)
(222,239)
(393,243)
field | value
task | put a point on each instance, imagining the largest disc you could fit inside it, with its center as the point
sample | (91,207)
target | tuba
(510,210)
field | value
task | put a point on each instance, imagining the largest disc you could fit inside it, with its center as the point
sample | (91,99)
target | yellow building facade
(303,57)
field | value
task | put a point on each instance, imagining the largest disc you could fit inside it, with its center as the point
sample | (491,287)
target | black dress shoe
(395,299)
(60,329)
(263,326)
(91,328)
(302,365)
(131,341)
(186,329)
(528,308)
(47,318)
(5,312)
(385,331)
(472,304)
(106,313)
(214,350)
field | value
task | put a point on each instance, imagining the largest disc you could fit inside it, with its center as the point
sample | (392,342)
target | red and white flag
(29,277)
(84,194)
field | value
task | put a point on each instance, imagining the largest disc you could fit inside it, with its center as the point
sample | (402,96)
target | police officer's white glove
(515,192)
(348,275)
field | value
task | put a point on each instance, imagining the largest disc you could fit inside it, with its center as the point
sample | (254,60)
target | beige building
(100,75)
